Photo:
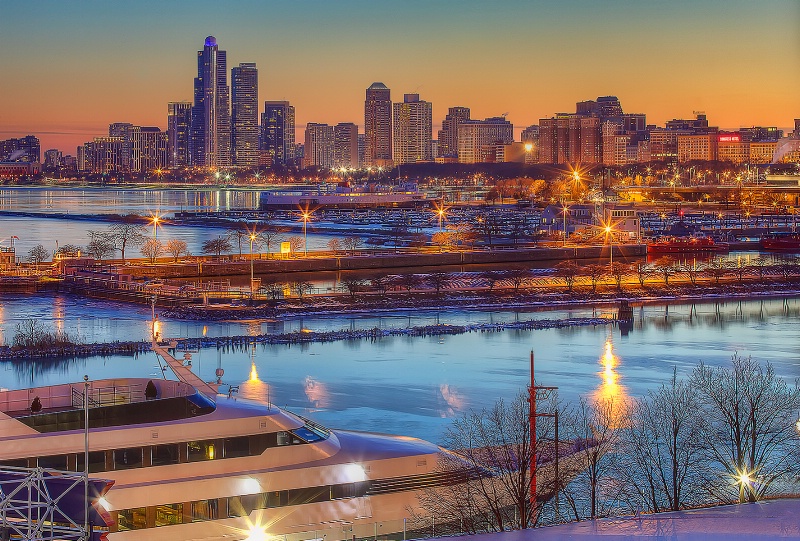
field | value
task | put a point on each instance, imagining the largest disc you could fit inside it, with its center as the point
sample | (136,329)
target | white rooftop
(776,519)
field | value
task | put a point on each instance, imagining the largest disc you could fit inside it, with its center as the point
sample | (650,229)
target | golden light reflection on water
(316,392)
(254,388)
(611,391)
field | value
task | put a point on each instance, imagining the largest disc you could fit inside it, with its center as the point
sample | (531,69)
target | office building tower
(52,159)
(210,140)
(319,147)
(102,155)
(179,122)
(362,141)
(477,139)
(447,146)
(122,130)
(149,149)
(277,132)
(244,115)
(378,126)
(413,128)
(345,151)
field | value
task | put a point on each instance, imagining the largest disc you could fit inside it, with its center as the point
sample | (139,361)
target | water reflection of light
(59,313)
(610,389)
(316,392)
(254,388)
(454,400)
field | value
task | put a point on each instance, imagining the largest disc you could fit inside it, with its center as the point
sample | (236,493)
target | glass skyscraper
(210,140)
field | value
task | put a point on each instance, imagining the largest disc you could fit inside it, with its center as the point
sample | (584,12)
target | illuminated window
(204,510)
(202,450)
(169,514)
(132,519)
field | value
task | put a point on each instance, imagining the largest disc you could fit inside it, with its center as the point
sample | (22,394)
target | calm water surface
(415,386)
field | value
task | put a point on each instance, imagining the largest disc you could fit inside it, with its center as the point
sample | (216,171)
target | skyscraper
(345,151)
(277,132)
(148,149)
(123,130)
(244,115)
(413,127)
(477,137)
(319,147)
(378,126)
(448,135)
(179,121)
(210,141)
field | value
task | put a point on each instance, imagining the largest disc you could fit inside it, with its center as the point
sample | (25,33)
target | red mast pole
(532,415)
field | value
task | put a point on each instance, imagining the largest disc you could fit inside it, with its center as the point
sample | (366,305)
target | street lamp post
(305,234)
(252,238)
(609,231)
(86,453)
(155,220)
(564,211)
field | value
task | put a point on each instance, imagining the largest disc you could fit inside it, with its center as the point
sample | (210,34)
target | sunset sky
(68,69)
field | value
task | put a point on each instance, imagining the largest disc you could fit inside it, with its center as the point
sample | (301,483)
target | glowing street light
(155,219)
(565,212)
(441,212)
(609,235)
(745,482)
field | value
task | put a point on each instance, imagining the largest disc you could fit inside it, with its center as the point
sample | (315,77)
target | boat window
(260,442)
(237,447)
(164,454)
(277,498)
(125,459)
(19,463)
(240,506)
(132,519)
(202,450)
(300,496)
(287,438)
(97,461)
(55,462)
(204,510)
(349,490)
(169,514)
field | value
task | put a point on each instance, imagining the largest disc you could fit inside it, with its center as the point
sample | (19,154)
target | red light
(729,138)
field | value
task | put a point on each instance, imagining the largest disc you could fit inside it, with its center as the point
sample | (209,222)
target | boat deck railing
(102,393)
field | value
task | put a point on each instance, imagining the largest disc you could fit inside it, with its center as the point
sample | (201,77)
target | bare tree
(351,243)
(751,414)
(761,263)
(717,270)
(643,270)
(494,460)
(268,237)
(126,234)
(693,270)
(381,284)
(518,277)
(272,287)
(666,267)
(442,239)
(100,247)
(38,255)
(568,271)
(595,272)
(594,426)
(152,249)
(618,272)
(216,246)
(491,278)
(663,457)
(296,244)
(409,281)
(301,287)
(334,245)
(238,232)
(437,280)
(353,285)
(176,248)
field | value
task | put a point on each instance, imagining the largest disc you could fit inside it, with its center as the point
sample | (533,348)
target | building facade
(477,138)
(277,133)
(179,122)
(378,126)
(447,142)
(23,149)
(319,148)
(345,146)
(149,149)
(244,115)
(413,129)
(210,141)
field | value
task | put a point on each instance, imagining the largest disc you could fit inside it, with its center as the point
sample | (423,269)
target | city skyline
(76,69)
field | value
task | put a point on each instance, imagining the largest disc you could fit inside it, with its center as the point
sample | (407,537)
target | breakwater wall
(382,260)
(131,348)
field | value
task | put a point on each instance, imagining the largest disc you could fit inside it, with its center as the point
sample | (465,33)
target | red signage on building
(729,138)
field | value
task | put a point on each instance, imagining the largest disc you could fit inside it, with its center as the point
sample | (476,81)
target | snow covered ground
(777,519)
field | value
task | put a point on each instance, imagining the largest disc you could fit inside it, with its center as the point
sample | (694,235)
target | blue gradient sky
(68,69)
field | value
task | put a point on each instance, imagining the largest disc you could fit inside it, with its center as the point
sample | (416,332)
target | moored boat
(684,245)
(781,242)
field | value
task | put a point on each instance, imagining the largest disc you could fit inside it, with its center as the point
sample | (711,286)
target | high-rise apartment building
(210,141)
(319,147)
(179,122)
(123,130)
(447,143)
(277,132)
(478,138)
(23,149)
(244,115)
(345,150)
(378,126)
(102,155)
(413,129)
